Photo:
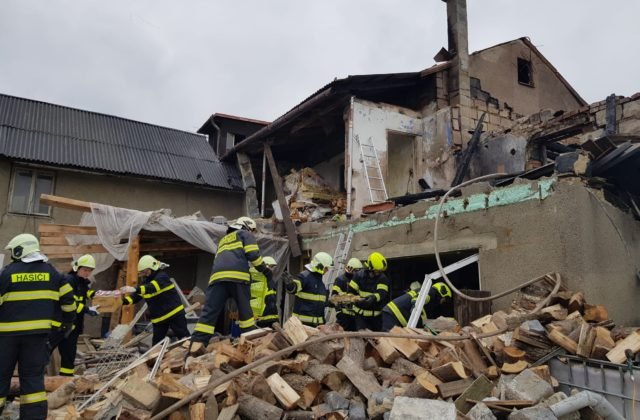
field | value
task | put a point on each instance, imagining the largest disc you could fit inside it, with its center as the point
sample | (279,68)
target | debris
(422,409)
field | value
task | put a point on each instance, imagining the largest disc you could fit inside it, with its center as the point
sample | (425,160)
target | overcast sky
(174,63)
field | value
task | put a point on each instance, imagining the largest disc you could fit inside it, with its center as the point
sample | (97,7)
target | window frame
(530,63)
(35,172)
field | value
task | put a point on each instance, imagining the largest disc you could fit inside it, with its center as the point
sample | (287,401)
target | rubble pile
(493,367)
(310,197)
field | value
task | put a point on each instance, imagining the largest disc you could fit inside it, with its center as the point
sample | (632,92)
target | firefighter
(31,291)
(165,307)
(263,294)
(78,278)
(345,315)
(372,286)
(310,291)
(398,311)
(230,278)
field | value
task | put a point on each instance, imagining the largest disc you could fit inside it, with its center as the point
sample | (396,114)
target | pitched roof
(56,135)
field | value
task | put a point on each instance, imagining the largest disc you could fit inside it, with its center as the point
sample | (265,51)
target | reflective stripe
(66,371)
(36,397)
(233,275)
(230,247)
(366,312)
(33,295)
(204,328)
(56,324)
(382,286)
(298,284)
(268,317)
(80,308)
(154,294)
(251,248)
(129,299)
(37,324)
(258,261)
(309,319)
(68,308)
(354,285)
(90,293)
(143,290)
(396,312)
(337,289)
(65,289)
(169,315)
(247,323)
(346,311)
(311,296)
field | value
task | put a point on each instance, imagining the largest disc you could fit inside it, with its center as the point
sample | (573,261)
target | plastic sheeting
(116,227)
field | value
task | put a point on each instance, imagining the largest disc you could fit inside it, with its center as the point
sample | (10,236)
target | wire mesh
(110,361)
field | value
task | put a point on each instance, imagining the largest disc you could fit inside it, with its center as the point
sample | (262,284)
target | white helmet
(416,285)
(245,222)
(322,260)
(84,261)
(23,245)
(354,263)
(148,261)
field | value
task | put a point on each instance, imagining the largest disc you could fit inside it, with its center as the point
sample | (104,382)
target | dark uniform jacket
(341,287)
(364,285)
(402,306)
(236,250)
(31,294)
(263,295)
(82,294)
(161,296)
(311,297)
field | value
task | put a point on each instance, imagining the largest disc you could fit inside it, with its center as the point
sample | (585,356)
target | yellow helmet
(269,261)
(245,222)
(322,260)
(84,261)
(23,245)
(148,261)
(443,289)
(376,261)
(354,263)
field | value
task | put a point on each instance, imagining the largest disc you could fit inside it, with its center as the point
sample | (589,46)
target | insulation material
(310,197)
(116,228)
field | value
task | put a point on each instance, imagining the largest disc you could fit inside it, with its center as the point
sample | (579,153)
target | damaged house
(390,145)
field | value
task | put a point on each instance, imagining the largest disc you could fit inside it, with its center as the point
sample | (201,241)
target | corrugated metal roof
(56,135)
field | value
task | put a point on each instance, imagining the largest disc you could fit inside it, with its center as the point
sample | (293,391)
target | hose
(284,352)
(437,253)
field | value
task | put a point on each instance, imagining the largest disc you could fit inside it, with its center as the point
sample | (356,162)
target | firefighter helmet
(443,289)
(377,262)
(84,261)
(354,264)
(245,222)
(150,262)
(23,245)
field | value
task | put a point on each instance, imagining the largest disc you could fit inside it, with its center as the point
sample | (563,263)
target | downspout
(585,399)
(349,158)
(264,176)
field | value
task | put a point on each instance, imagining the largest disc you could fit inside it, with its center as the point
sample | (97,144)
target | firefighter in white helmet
(310,291)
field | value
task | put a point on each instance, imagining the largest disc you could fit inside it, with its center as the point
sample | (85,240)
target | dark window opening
(341,179)
(238,138)
(525,72)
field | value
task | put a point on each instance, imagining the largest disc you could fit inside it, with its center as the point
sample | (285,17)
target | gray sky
(174,63)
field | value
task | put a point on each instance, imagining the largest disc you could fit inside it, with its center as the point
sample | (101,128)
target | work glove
(93,310)
(66,328)
(367,302)
(289,285)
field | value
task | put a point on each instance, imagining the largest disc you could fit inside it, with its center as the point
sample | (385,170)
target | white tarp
(116,227)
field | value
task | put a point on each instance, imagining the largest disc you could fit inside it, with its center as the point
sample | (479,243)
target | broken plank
(65,203)
(454,388)
(479,389)
(366,382)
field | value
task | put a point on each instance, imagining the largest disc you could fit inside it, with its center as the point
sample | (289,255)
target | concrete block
(481,412)
(336,401)
(405,408)
(631,110)
(528,386)
(357,411)
(533,413)
(629,126)
(141,393)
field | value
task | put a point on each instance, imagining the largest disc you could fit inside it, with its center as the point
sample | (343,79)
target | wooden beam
(67,229)
(65,203)
(132,276)
(67,251)
(284,208)
(51,250)
(53,240)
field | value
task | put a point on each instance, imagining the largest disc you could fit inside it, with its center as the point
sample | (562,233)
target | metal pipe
(264,178)
(586,399)
(349,158)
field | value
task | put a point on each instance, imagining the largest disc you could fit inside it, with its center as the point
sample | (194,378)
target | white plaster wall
(330,171)
(433,160)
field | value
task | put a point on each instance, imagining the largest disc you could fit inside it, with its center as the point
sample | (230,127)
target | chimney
(459,83)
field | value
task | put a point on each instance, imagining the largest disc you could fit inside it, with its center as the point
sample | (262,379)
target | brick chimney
(457,31)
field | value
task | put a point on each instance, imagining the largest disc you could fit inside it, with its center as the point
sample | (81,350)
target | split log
(295,330)
(632,342)
(354,348)
(61,396)
(595,313)
(563,341)
(405,346)
(416,390)
(197,411)
(211,407)
(543,372)
(602,343)
(428,381)
(450,372)
(365,381)
(228,413)
(555,312)
(391,377)
(514,368)
(454,388)
(470,349)
(513,354)
(386,350)
(283,392)
(254,408)
(259,387)
(326,374)
(585,340)
(406,367)
(307,387)
(576,303)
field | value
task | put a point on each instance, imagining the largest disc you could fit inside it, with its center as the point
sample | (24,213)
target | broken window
(27,187)
(525,72)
